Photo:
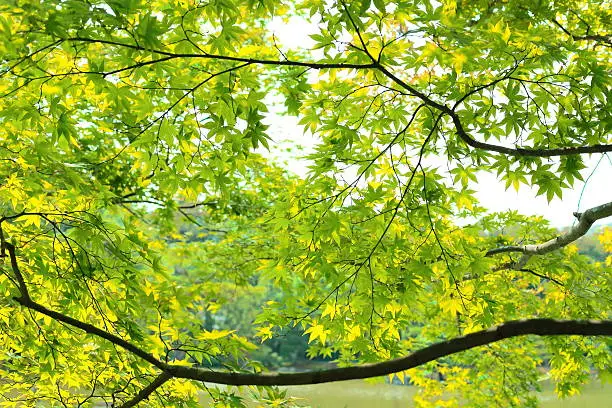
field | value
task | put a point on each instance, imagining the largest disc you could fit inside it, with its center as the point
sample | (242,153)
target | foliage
(592,244)
(122,121)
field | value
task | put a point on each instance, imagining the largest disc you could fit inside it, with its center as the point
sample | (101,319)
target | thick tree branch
(25,300)
(23,289)
(540,327)
(586,220)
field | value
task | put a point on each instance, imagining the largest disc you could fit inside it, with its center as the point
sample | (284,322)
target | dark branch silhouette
(540,327)
(604,38)
(375,65)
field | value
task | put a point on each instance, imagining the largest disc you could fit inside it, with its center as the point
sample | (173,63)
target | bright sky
(596,190)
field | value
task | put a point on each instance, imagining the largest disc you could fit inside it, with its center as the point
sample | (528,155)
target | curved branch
(91,329)
(522,152)
(23,289)
(25,300)
(586,220)
(540,327)
(470,141)
(463,135)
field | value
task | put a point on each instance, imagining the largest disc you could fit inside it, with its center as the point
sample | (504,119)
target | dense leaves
(135,200)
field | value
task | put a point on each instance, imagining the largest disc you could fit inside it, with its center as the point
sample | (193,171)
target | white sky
(491,193)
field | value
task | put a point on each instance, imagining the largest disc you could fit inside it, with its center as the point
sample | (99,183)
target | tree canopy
(139,203)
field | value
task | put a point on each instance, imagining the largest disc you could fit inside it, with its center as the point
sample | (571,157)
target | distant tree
(119,116)
(592,244)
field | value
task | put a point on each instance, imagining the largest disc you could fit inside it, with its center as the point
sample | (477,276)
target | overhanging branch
(540,327)
(91,329)
(375,64)
(470,141)
(600,38)
(522,152)
(257,61)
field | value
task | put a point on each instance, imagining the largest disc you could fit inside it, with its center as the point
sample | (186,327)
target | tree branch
(91,329)
(258,61)
(587,37)
(463,135)
(540,327)
(23,289)
(148,390)
(522,152)
(586,220)
(375,64)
